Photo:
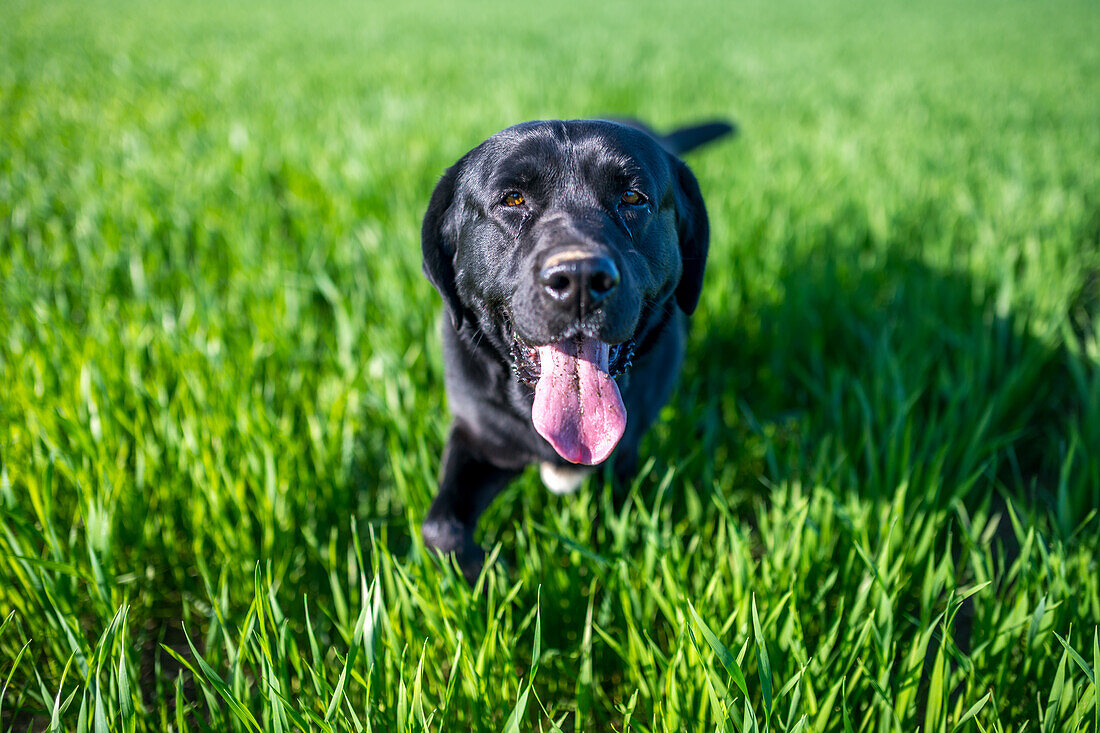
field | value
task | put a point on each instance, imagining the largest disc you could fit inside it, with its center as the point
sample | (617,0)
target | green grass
(871,505)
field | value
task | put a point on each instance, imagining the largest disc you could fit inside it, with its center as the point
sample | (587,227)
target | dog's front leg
(468,484)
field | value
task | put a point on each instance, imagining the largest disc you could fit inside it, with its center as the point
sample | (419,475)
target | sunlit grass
(871,505)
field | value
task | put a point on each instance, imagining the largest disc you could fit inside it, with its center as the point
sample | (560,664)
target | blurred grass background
(870,506)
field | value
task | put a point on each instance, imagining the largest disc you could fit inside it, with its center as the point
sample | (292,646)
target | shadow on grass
(864,377)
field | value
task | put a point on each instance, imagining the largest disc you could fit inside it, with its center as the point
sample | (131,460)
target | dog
(568,255)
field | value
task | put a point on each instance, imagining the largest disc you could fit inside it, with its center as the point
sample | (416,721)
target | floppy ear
(694,237)
(438,251)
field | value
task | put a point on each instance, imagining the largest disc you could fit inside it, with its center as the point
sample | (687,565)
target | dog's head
(563,244)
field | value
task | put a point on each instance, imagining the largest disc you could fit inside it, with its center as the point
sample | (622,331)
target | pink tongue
(578,408)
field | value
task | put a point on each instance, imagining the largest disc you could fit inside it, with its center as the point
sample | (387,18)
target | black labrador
(568,254)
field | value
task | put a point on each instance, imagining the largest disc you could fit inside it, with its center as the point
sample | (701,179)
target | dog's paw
(453,542)
(562,479)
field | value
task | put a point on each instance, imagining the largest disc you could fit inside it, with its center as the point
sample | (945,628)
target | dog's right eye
(512,198)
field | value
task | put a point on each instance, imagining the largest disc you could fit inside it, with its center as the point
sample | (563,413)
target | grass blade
(764,666)
(725,656)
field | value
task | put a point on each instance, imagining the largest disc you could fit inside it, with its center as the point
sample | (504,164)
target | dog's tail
(686,139)
(683,139)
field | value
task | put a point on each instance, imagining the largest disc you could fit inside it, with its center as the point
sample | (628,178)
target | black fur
(484,258)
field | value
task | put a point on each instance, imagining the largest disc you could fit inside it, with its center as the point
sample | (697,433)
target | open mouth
(577,408)
(527,364)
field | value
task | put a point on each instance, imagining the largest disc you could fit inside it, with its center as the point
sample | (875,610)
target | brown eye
(633,198)
(512,198)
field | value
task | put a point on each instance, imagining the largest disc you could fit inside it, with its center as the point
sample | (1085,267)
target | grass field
(871,505)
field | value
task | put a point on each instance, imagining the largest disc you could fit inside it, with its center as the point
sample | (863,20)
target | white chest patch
(562,479)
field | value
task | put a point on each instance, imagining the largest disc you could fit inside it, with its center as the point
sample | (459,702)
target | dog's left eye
(632,197)
(512,198)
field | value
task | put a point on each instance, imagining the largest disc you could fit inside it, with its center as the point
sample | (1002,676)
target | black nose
(579,281)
